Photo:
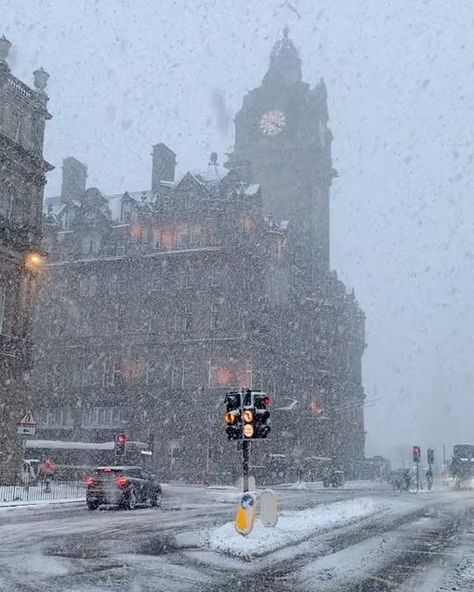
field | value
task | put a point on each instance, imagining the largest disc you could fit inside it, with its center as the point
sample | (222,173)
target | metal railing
(42,491)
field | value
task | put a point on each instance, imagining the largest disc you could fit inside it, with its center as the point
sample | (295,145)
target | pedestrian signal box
(416,454)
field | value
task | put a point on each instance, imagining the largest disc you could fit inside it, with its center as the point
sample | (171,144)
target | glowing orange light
(223,376)
(248,430)
(229,418)
(136,230)
(166,239)
(132,370)
(247,415)
(315,407)
(34,261)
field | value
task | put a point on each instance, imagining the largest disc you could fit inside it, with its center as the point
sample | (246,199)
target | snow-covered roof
(252,190)
(211,175)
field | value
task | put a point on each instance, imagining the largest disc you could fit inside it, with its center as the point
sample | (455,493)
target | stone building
(23,114)
(155,303)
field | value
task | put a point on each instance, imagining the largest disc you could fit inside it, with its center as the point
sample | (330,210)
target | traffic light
(120,442)
(430,456)
(233,417)
(247,416)
(261,402)
(416,454)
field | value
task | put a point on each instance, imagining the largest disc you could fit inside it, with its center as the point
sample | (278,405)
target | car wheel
(92,505)
(132,500)
(156,500)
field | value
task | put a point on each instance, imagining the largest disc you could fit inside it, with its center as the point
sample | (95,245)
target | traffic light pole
(417,476)
(245,465)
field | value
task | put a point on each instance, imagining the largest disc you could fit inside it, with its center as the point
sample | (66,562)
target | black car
(125,487)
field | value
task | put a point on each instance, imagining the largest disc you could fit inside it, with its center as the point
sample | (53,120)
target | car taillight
(89,481)
(121,481)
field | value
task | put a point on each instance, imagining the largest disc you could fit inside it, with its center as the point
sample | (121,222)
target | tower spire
(285,62)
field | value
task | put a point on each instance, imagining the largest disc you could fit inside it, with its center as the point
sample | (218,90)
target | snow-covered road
(364,539)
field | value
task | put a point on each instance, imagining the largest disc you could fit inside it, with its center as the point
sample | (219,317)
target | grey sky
(400,74)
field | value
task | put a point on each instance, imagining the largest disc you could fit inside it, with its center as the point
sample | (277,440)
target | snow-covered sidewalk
(292,528)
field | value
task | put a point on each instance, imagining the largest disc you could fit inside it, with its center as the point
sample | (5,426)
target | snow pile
(293,527)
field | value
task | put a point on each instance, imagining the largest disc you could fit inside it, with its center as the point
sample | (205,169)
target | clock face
(272,123)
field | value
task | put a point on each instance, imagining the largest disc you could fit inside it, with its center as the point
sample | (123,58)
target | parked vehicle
(124,487)
(333,479)
(462,465)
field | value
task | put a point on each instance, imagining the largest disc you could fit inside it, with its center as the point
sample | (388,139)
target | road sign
(245,517)
(27,425)
(268,508)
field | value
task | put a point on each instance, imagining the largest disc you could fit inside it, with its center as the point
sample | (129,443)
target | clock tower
(283,143)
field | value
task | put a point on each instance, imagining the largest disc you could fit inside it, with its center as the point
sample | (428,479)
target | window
(55,418)
(183,238)
(113,371)
(215,320)
(184,278)
(153,372)
(93,372)
(51,376)
(195,238)
(14,125)
(177,374)
(230,373)
(90,245)
(105,417)
(6,204)
(88,285)
(183,319)
(155,281)
(3,297)
(217,277)
(76,373)
(69,218)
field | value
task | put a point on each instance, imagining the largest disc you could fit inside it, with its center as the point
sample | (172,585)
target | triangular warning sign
(28,419)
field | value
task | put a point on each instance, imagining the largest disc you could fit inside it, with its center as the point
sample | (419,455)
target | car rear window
(109,471)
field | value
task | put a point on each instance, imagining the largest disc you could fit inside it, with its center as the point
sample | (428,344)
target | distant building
(23,114)
(158,302)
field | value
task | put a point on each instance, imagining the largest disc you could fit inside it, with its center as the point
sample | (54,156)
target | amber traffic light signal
(247,416)
(232,417)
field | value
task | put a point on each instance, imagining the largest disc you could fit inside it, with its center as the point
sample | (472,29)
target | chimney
(164,164)
(74,179)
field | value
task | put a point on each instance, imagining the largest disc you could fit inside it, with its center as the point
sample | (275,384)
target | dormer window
(69,219)
(90,245)
(126,212)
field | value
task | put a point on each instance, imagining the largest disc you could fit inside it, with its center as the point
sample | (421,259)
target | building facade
(23,114)
(158,302)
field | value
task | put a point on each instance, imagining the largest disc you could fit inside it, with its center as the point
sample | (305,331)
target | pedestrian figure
(46,470)
(429,478)
(407,479)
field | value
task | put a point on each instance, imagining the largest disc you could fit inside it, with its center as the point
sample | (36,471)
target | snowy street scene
(361,538)
(236,321)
